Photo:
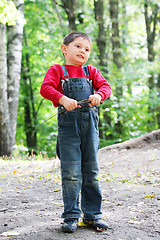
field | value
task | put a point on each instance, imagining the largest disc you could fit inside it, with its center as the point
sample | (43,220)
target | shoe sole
(98,229)
(69,230)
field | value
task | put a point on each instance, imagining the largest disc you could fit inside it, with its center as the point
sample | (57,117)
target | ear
(64,49)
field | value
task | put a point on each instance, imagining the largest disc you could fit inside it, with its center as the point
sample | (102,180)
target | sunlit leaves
(47,24)
(8,12)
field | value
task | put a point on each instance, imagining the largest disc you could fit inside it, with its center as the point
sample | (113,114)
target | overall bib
(78,143)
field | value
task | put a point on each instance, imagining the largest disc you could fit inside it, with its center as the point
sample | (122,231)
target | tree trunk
(151,34)
(31,137)
(125,23)
(29,106)
(5,146)
(101,43)
(14,54)
(116,50)
(124,37)
(69,7)
(10,69)
(115,39)
(151,19)
(101,38)
(158,114)
(115,35)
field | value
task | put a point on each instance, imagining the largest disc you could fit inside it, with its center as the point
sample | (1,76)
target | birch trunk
(10,68)
(14,54)
(4,111)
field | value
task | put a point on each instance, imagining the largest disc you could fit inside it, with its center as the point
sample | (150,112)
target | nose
(82,50)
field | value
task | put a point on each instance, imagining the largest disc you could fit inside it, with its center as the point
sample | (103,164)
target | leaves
(131,221)
(43,48)
(8,12)
(82,224)
(15,172)
(149,196)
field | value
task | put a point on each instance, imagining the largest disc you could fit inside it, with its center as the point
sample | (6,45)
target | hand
(94,99)
(68,103)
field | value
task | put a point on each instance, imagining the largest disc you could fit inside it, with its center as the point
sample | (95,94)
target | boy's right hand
(68,103)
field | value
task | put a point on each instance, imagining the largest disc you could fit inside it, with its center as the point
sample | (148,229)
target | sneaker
(98,224)
(70,225)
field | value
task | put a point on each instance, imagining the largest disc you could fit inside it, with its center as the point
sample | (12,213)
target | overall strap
(65,72)
(66,75)
(86,71)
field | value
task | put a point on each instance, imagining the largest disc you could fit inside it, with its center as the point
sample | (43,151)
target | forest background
(126,46)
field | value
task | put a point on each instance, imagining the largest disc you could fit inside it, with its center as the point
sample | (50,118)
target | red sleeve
(51,86)
(100,84)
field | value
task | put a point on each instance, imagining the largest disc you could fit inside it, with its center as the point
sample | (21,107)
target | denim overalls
(78,142)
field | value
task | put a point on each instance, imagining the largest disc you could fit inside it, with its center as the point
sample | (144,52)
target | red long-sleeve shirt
(51,87)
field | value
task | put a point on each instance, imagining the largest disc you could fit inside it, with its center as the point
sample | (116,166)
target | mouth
(80,56)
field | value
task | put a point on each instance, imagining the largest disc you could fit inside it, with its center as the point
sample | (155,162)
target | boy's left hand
(95,99)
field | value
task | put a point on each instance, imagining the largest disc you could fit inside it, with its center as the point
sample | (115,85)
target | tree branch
(57,11)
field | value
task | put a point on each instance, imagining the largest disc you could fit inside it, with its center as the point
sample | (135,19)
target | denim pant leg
(91,199)
(70,157)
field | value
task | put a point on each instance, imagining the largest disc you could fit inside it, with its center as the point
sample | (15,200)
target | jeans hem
(74,216)
(94,217)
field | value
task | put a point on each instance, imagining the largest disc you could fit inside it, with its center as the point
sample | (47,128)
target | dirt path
(31,203)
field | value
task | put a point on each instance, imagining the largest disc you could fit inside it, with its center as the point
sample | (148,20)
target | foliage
(8,12)
(46,25)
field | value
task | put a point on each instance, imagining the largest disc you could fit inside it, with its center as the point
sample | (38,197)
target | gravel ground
(31,199)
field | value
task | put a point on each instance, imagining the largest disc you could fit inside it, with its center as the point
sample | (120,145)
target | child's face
(77,52)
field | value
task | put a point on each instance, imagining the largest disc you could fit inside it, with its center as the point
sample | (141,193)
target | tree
(116,51)
(101,36)
(101,41)
(30,114)
(41,47)
(151,11)
(69,6)
(158,114)
(10,67)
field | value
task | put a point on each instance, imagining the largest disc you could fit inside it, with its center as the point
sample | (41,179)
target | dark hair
(70,37)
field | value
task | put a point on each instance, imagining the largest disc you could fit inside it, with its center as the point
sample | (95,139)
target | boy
(71,88)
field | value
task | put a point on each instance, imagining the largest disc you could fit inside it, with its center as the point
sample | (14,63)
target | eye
(78,46)
(87,49)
